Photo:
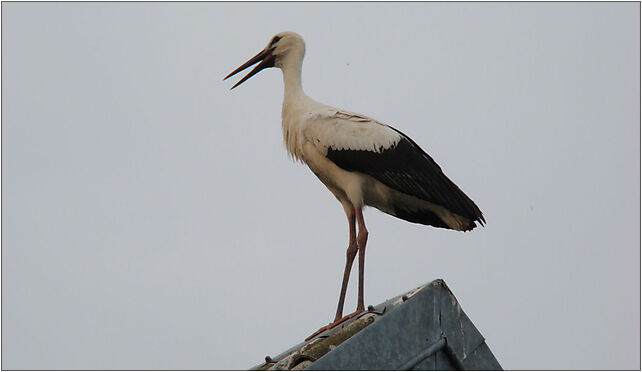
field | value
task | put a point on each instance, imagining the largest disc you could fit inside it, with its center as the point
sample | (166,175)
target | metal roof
(424,329)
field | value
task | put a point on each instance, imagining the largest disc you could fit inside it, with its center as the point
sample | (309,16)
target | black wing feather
(407,168)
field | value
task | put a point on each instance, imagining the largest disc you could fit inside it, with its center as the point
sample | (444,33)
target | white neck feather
(295,103)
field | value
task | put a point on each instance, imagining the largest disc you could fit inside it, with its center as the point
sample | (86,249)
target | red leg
(358,244)
(351,253)
(362,239)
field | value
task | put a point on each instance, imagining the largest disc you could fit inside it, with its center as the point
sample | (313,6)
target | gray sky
(152,220)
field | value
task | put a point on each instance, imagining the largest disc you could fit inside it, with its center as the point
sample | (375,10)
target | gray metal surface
(424,355)
(429,331)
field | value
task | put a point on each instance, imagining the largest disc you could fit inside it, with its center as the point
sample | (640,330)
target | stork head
(284,49)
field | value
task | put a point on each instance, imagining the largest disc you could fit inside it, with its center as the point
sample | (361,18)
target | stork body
(363,162)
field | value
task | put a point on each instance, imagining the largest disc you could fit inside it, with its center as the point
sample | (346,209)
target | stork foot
(336,323)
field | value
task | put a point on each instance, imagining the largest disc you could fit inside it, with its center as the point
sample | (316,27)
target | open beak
(267,60)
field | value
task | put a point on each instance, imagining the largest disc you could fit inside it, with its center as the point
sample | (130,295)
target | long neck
(294,103)
(292,81)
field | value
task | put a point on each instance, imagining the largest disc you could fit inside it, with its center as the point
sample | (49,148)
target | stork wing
(358,143)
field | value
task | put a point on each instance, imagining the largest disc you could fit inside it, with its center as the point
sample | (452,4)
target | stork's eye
(275,40)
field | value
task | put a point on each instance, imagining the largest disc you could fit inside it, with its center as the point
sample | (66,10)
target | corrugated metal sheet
(424,329)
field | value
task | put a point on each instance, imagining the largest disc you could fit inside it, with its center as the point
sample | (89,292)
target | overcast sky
(151,218)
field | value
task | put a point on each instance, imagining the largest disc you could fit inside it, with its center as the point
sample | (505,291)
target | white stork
(362,161)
